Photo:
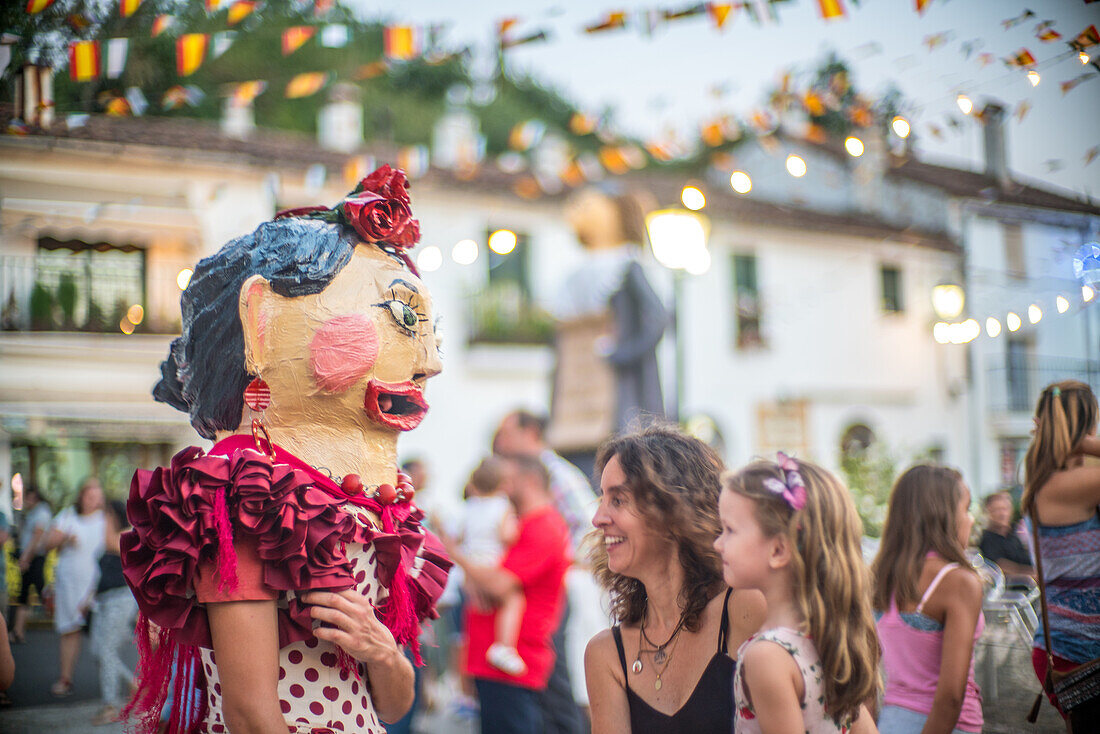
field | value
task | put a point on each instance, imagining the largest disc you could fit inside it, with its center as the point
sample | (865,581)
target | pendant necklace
(659,654)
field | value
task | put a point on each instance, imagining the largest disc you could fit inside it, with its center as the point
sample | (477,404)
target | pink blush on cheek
(343,351)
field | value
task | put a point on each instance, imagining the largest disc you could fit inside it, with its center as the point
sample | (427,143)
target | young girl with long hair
(790,530)
(930,600)
(1061,496)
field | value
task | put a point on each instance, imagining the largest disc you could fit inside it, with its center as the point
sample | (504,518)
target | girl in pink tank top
(930,604)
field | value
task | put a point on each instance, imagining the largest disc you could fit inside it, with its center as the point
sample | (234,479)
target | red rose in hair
(380,219)
(388,182)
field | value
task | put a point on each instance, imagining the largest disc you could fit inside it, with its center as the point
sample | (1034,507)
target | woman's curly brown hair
(674,479)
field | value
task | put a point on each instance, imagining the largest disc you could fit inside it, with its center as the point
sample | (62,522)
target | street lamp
(679,241)
(948,300)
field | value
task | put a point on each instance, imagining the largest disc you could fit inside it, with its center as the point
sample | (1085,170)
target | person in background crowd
(666,666)
(1061,497)
(5,534)
(79,533)
(999,544)
(535,565)
(523,433)
(113,618)
(930,600)
(32,557)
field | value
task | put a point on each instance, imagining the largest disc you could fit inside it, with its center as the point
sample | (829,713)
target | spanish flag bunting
(294,37)
(572,175)
(609,22)
(660,151)
(936,40)
(832,9)
(400,42)
(711,134)
(240,10)
(37,6)
(1021,18)
(985,59)
(245,92)
(413,160)
(190,51)
(861,116)
(921,5)
(689,11)
(305,85)
(719,13)
(84,60)
(212,6)
(1021,59)
(816,134)
(1021,110)
(613,160)
(1049,35)
(77,21)
(371,70)
(505,24)
(1066,86)
(117,107)
(126,8)
(582,124)
(527,187)
(1088,37)
(161,23)
(813,104)
(506,43)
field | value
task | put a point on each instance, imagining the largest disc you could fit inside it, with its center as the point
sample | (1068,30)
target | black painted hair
(204,374)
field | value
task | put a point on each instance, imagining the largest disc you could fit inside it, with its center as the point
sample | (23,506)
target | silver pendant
(659,657)
(657,684)
(637,666)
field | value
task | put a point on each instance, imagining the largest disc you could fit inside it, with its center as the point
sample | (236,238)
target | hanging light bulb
(1084,57)
(1063,304)
(693,198)
(740,182)
(796,166)
(1087,293)
(1013,321)
(900,126)
(1033,77)
(1034,313)
(992,327)
(964,104)
(854,146)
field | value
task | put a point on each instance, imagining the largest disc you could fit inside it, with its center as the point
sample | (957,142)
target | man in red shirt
(535,564)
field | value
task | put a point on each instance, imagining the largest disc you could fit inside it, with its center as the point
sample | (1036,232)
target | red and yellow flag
(1049,35)
(921,5)
(1088,37)
(245,92)
(1021,59)
(240,10)
(37,6)
(190,52)
(84,60)
(719,13)
(832,9)
(161,24)
(126,8)
(303,85)
(294,37)
(610,21)
(400,42)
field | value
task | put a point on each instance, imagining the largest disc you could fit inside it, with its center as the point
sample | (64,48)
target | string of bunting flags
(91,59)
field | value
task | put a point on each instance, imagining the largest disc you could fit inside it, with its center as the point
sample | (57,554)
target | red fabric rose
(380,219)
(389,183)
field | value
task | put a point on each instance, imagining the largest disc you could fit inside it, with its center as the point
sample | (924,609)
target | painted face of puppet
(358,354)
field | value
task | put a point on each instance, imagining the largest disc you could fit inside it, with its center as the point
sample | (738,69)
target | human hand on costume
(355,627)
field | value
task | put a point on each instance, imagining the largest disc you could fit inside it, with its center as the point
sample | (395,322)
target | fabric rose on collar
(379,210)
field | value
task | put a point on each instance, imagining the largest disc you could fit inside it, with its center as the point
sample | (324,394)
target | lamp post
(679,241)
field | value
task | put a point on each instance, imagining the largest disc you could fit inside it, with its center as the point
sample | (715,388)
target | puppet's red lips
(399,406)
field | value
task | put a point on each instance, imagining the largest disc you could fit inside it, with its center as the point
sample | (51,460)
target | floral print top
(814,718)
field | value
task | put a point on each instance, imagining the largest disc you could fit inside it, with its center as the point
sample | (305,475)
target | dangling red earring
(257,395)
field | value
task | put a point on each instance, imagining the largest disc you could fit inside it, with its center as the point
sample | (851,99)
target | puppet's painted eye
(402,313)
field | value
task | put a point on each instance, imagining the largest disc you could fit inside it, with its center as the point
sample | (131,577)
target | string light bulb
(992,327)
(964,104)
(1087,293)
(1013,321)
(741,182)
(693,198)
(1033,77)
(900,126)
(1063,304)
(1084,57)
(796,166)
(854,146)
(1034,313)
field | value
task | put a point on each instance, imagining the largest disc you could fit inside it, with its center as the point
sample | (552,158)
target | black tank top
(709,708)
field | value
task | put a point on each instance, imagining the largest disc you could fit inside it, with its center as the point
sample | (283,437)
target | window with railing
(1016,376)
(746,302)
(503,312)
(892,297)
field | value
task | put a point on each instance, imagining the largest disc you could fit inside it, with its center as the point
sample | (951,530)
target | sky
(688,71)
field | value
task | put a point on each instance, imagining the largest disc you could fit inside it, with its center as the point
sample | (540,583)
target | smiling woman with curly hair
(667,665)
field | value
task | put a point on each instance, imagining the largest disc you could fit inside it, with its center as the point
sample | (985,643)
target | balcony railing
(1014,385)
(502,314)
(37,293)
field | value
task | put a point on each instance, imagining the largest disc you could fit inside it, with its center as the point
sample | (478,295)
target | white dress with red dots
(315,695)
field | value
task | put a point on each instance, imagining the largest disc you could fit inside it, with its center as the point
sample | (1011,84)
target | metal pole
(677,302)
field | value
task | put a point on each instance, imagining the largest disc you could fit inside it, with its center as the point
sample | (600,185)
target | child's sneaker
(506,659)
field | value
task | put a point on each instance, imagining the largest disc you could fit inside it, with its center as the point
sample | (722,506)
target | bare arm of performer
(606,688)
(357,630)
(246,645)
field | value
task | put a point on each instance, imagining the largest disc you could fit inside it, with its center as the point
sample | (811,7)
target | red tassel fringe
(400,614)
(227,557)
(162,661)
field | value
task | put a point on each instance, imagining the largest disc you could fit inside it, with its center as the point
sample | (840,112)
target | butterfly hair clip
(792,489)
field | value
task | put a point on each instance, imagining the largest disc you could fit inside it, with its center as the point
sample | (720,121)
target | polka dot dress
(316,697)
